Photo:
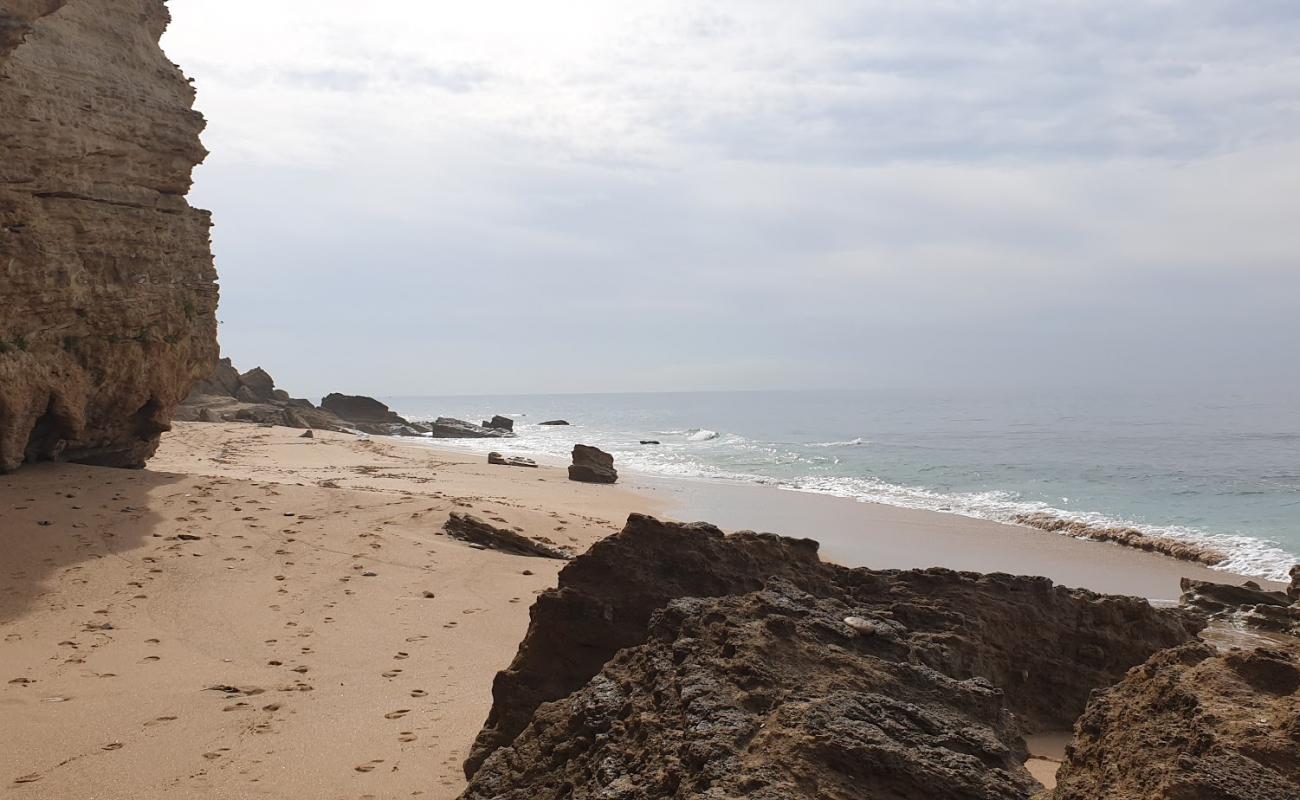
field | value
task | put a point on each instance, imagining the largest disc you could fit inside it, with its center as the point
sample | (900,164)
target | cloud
(710,195)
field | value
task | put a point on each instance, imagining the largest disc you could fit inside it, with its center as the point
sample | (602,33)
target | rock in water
(1044,646)
(500,423)
(469,528)
(1192,724)
(109,309)
(592,465)
(553,422)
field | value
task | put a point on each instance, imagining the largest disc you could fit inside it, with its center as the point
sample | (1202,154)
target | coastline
(251,614)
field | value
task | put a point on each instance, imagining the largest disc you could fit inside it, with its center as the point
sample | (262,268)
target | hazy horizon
(512,199)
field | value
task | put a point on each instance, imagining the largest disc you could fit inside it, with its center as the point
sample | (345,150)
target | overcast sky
(427,197)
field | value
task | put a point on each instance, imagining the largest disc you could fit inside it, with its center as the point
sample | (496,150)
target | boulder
(1293,591)
(1044,646)
(592,465)
(500,423)
(246,394)
(281,396)
(109,293)
(259,383)
(293,418)
(1192,724)
(359,408)
(510,461)
(553,422)
(307,434)
(448,428)
(223,382)
(209,415)
(769,696)
(469,528)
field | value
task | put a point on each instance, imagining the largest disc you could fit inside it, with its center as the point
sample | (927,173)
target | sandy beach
(263,615)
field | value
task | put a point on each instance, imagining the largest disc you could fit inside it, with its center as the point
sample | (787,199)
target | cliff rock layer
(1043,647)
(107,289)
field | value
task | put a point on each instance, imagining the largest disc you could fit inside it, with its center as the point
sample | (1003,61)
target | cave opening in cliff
(48,435)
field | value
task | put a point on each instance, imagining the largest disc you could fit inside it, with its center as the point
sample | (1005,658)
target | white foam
(702,435)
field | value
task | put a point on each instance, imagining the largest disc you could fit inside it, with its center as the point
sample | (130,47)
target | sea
(1223,471)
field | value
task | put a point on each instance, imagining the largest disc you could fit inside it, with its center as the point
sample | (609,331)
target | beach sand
(248,617)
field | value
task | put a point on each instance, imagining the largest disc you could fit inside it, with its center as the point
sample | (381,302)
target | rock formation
(1044,647)
(1126,537)
(109,299)
(510,461)
(227,396)
(1247,605)
(500,423)
(772,696)
(359,408)
(449,428)
(554,422)
(1293,591)
(592,465)
(1192,724)
(469,528)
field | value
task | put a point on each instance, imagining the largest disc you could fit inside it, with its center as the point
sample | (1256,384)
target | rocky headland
(109,288)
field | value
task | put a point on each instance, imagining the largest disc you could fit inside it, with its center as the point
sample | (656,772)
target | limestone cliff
(107,289)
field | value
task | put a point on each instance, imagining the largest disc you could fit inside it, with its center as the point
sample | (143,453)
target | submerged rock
(469,528)
(1127,537)
(1192,724)
(592,465)
(1045,647)
(109,292)
(554,422)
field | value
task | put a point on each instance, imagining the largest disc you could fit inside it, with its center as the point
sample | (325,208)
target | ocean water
(1225,471)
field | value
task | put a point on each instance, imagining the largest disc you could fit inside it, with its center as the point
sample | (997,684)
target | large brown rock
(359,408)
(1192,724)
(592,465)
(773,695)
(1046,647)
(109,298)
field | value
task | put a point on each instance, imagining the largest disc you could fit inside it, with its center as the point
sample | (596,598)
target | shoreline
(202,627)
(863,533)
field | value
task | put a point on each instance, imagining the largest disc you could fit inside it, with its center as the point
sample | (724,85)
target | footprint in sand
(160,721)
(368,767)
(419,693)
(398,714)
(407,736)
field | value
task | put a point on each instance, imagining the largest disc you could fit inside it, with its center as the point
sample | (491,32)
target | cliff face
(107,289)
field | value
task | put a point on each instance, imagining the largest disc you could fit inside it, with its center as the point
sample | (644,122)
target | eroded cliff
(107,288)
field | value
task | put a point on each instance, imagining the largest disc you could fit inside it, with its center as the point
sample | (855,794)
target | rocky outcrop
(1246,605)
(449,428)
(500,423)
(1192,724)
(771,695)
(1126,537)
(592,465)
(359,408)
(1043,646)
(554,422)
(469,528)
(109,298)
(510,461)
(227,396)
(1293,591)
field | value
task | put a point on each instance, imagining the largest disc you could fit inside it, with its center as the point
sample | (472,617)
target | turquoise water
(1223,470)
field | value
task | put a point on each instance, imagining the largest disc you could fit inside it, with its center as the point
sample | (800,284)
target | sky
(425,197)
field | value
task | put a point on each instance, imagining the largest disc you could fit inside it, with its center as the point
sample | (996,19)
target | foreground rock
(109,293)
(592,465)
(1192,724)
(771,696)
(1044,647)
(469,528)
(1293,591)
